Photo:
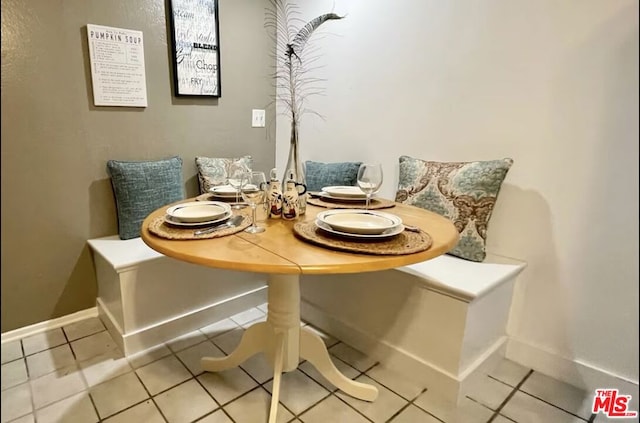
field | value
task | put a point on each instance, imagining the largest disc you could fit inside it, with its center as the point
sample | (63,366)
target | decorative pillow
(142,187)
(464,192)
(212,171)
(320,175)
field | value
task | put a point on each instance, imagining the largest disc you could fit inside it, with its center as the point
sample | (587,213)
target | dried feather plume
(292,61)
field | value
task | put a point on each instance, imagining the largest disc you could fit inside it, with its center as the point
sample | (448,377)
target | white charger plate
(198,211)
(170,220)
(342,191)
(386,234)
(358,221)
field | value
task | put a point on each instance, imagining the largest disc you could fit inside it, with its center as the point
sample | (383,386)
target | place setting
(369,181)
(231,191)
(200,220)
(346,197)
(361,228)
(225,194)
(363,231)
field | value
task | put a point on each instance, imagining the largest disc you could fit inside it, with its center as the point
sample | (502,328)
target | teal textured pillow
(464,192)
(142,187)
(319,175)
(212,171)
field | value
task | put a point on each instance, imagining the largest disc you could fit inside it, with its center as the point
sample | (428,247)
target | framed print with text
(196,48)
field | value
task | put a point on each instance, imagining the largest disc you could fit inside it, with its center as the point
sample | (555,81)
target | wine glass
(236,170)
(369,179)
(253,191)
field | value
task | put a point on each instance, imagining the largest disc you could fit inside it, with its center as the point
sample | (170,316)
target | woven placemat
(404,243)
(374,204)
(159,227)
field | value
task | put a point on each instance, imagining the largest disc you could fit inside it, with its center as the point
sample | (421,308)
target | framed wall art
(117,66)
(196,47)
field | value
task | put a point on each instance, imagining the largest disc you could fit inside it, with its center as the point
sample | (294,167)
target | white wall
(554,85)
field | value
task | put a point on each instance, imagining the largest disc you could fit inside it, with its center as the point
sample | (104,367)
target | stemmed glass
(253,188)
(234,178)
(369,179)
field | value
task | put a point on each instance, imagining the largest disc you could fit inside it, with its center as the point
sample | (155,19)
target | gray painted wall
(56,193)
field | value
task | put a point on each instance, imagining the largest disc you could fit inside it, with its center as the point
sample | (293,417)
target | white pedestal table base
(284,342)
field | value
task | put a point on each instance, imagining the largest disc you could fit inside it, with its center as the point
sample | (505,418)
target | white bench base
(438,321)
(146,298)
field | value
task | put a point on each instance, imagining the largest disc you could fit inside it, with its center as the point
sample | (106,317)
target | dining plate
(358,221)
(388,233)
(342,191)
(175,222)
(198,211)
(226,191)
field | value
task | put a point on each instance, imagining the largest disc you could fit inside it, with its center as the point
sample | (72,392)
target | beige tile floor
(77,374)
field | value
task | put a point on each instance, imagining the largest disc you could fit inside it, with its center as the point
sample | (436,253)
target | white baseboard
(163,331)
(48,325)
(448,386)
(571,371)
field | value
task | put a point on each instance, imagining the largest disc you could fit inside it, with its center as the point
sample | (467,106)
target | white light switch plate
(257,118)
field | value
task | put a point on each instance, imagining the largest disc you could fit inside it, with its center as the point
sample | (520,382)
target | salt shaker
(274,196)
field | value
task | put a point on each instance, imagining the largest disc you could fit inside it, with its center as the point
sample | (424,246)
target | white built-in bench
(440,320)
(146,298)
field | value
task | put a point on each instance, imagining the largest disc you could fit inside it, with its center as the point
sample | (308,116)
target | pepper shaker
(274,197)
(290,198)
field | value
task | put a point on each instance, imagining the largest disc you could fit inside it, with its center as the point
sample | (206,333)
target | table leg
(313,349)
(257,338)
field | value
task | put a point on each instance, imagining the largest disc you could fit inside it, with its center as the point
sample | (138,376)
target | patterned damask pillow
(464,192)
(212,171)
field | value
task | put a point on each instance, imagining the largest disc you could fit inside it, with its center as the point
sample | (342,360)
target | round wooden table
(284,257)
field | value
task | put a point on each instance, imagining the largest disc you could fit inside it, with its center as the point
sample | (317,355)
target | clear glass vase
(295,166)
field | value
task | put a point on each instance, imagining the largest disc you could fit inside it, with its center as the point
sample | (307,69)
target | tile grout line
(338,390)
(24,360)
(195,377)
(557,407)
(149,395)
(84,379)
(407,405)
(295,416)
(389,388)
(258,384)
(333,393)
(519,385)
(511,394)
(429,413)
(351,406)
